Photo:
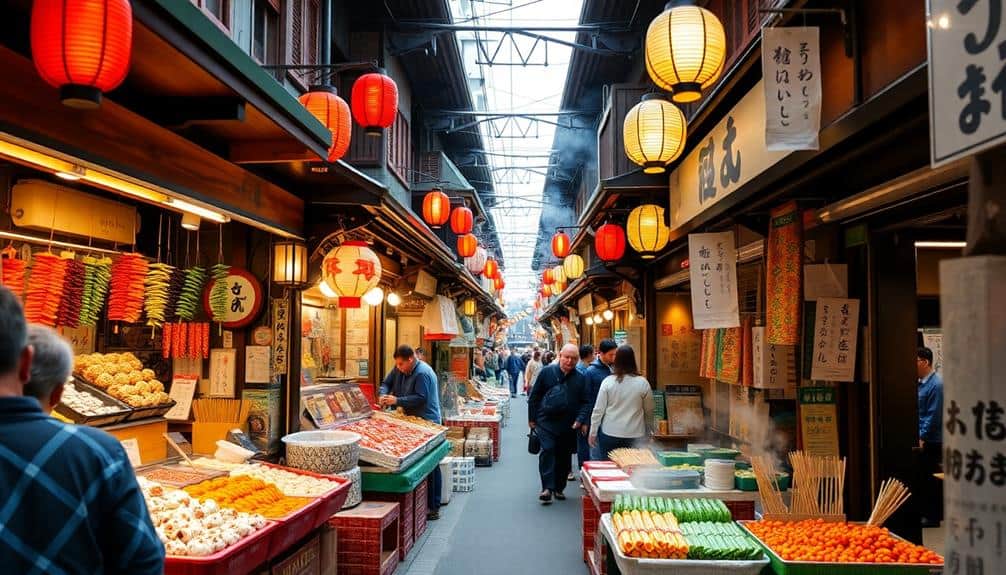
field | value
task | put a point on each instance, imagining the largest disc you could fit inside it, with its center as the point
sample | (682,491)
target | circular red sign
(244,297)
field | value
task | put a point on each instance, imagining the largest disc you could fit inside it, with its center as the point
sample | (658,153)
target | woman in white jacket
(531,371)
(623,414)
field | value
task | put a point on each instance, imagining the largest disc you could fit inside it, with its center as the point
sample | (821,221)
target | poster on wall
(684,409)
(713,274)
(836,329)
(819,421)
(932,337)
(791,67)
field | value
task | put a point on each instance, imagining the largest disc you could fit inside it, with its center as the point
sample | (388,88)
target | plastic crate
(242,557)
(294,527)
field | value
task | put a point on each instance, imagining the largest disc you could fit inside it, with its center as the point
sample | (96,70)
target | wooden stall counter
(148,434)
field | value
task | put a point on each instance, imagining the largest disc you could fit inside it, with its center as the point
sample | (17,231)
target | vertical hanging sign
(713,273)
(281,335)
(791,67)
(835,332)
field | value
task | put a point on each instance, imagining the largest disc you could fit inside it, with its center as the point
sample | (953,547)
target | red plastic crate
(242,557)
(294,527)
(367,535)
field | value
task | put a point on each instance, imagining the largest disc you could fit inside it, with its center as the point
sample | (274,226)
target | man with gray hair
(51,367)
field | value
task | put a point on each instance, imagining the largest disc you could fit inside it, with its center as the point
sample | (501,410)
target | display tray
(438,436)
(332,501)
(242,557)
(294,527)
(94,420)
(185,475)
(135,413)
(782,567)
(631,565)
(393,463)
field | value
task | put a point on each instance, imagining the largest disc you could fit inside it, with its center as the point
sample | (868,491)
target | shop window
(218,10)
(400,149)
(303,37)
(265,32)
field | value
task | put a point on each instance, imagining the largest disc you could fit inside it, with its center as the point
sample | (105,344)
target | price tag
(132,447)
(228,339)
(183,388)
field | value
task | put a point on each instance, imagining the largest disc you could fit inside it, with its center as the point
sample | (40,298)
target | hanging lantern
(685,50)
(467,244)
(462,221)
(477,262)
(559,274)
(351,270)
(546,277)
(491,270)
(498,283)
(560,244)
(82,47)
(609,242)
(436,208)
(545,292)
(646,230)
(332,111)
(572,266)
(375,102)
(468,307)
(289,267)
(654,133)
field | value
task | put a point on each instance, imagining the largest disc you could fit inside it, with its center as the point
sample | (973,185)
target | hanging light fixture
(82,47)
(559,274)
(609,242)
(654,133)
(607,315)
(436,208)
(498,283)
(468,307)
(374,297)
(547,278)
(333,112)
(572,266)
(685,50)
(597,318)
(646,230)
(375,102)
(560,244)
(589,320)
(477,262)
(467,245)
(289,267)
(351,270)
(462,221)
(190,221)
(394,300)
(491,270)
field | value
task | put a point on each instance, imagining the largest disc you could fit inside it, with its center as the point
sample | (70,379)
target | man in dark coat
(514,367)
(595,374)
(558,409)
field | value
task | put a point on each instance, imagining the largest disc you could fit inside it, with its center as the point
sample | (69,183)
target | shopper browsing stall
(623,414)
(595,374)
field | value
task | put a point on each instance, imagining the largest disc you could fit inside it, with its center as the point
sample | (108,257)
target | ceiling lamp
(467,244)
(375,102)
(436,208)
(653,133)
(646,230)
(468,307)
(82,47)
(374,297)
(558,274)
(477,262)
(547,277)
(491,270)
(609,242)
(190,221)
(572,266)
(351,270)
(394,300)
(607,315)
(333,112)
(597,318)
(289,264)
(462,221)
(560,244)
(589,320)
(685,50)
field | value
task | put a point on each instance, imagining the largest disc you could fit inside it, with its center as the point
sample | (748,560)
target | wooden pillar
(291,382)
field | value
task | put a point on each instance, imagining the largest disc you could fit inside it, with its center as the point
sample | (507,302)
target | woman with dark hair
(623,414)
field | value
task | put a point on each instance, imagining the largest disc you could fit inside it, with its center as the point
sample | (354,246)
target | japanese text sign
(967,77)
(835,333)
(281,335)
(819,421)
(774,365)
(713,274)
(791,68)
(974,413)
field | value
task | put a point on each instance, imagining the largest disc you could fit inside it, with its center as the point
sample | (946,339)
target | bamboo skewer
(893,495)
(221,410)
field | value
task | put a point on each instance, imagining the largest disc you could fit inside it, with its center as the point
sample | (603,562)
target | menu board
(819,421)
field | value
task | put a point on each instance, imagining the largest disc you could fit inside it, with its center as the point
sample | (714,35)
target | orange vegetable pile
(13,272)
(247,494)
(48,274)
(816,540)
(125,298)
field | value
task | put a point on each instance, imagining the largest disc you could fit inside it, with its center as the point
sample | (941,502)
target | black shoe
(433,516)
(570,477)
(545,497)
(560,496)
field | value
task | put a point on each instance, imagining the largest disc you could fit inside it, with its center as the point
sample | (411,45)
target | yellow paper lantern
(654,133)
(351,270)
(646,231)
(685,50)
(572,266)
(559,274)
(468,307)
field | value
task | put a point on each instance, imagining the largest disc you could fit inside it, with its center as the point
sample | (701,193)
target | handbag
(533,442)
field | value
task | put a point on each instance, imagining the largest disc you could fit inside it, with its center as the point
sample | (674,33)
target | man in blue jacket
(514,367)
(595,374)
(930,436)
(412,385)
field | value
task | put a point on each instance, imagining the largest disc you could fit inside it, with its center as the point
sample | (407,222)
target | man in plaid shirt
(69,502)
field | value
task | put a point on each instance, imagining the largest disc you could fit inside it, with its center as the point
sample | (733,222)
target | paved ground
(500,528)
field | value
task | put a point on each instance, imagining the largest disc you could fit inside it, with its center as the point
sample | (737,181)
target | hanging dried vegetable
(156,284)
(72,298)
(12,268)
(97,273)
(166,336)
(48,273)
(125,298)
(218,294)
(186,340)
(174,292)
(192,290)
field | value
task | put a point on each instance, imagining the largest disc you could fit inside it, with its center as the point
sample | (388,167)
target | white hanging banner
(836,328)
(713,271)
(791,67)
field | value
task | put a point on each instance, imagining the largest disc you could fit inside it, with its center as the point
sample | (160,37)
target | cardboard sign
(257,364)
(132,447)
(222,372)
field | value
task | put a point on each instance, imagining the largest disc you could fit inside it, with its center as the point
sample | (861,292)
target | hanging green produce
(192,289)
(156,283)
(97,273)
(218,295)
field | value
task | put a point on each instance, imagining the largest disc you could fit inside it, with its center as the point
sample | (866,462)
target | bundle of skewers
(818,488)
(893,494)
(220,410)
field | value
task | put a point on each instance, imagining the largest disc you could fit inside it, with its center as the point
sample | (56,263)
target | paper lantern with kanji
(436,208)
(477,262)
(462,221)
(609,242)
(351,270)
(81,47)
(546,277)
(492,269)
(333,112)
(560,244)
(375,102)
(467,245)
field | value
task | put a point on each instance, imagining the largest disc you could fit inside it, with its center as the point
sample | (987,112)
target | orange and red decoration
(375,102)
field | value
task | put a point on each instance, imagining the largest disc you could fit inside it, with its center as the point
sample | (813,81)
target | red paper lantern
(467,244)
(436,208)
(546,277)
(609,242)
(375,102)
(544,291)
(332,111)
(492,269)
(462,220)
(82,47)
(498,283)
(560,245)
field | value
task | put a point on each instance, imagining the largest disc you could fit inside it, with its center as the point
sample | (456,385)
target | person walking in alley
(623,414)
(595,374)
(558,409)
(532,370)
(514,368)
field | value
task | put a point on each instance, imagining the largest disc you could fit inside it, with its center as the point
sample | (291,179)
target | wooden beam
(270,152)
(120,140)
